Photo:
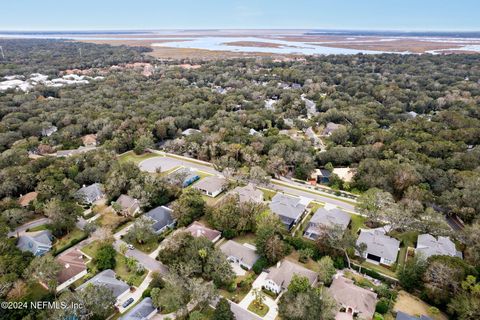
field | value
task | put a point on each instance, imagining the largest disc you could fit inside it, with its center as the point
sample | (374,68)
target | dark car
(127,303)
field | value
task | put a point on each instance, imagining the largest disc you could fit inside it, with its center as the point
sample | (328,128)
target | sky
(405,15)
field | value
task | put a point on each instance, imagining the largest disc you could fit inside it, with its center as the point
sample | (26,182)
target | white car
(130,246)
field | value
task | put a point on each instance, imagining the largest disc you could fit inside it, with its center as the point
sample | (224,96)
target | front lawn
(412,305)
(38,228)
(260,309)
(243,285)
(268,194)
(69,240)
(130,156)
(147,247)
(357,223)
(109,219)
(128,276)
(120,267)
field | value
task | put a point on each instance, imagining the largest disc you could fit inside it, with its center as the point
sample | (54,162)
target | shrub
(146,293)
(261,264)
(382,306)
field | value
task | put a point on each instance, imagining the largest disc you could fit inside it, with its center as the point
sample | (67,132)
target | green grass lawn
(38,228)
(357,223)
(130,156)
(92,248)
(267,194)
(120,268)
(128,276)
(241,291)
(65,241)
(380,269)
(261,309)
(148,247)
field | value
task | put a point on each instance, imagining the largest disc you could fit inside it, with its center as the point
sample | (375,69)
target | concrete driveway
(136,295)
(272,305)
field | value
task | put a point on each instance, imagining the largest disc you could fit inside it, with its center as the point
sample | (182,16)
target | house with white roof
(380,248)
(288,208)
(428,245)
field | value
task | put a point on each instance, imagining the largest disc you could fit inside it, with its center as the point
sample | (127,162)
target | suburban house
(288,208)
(326,218)
(345,173)
(128,205)
(144,310)
(381,249)
(242,313)
(73,268)
(353,301)
(25,200)
(281,275)
(190,131)
(162,217)
(331,128)
(90,194)
(240,254)
(403,316)
(212,186)
(38,243)
(428,245)
(248,194)
(107,278)
(183,177)
(89,140)
(321,175)
(197,229)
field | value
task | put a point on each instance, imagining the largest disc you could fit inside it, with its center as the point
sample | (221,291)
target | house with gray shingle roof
(162,217)
(326,218)
(403,316)
(248,193)
(142,311)
(38,243)
(107,278)
(354,300)
(129,206)
(288,208)
(240,254)
(90,194)
(242,313)
(280,276)
(381,249)
(428,245)
(211,186)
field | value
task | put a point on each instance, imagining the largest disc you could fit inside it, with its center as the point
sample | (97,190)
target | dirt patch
(414,306)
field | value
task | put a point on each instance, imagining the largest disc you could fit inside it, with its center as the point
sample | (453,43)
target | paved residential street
(283,185)
(148,262)
(32,224)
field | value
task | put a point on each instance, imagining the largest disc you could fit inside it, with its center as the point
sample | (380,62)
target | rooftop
(211,184)
(108,279)
(141,311)
(346,293)
(428,245)
(199,230)
(282,275)
(72,264)
(162,217)
(249,193)
(287,206)
(331,217)
(244,253)
(379,244)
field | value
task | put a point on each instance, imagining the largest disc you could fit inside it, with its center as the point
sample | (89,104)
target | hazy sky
(197,14)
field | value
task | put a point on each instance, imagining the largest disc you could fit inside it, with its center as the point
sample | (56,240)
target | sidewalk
(136,295)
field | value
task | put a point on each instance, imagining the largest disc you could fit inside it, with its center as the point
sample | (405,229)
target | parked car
(131,247)
(127,303)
